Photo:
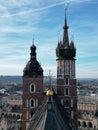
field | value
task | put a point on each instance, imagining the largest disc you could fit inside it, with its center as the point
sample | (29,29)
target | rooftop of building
(50,115)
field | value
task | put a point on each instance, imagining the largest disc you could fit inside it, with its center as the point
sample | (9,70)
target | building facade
(15,101)
(66,77)
(87,111)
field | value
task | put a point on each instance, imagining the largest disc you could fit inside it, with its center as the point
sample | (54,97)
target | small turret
(72,45)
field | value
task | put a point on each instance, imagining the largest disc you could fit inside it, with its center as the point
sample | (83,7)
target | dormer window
(32,88)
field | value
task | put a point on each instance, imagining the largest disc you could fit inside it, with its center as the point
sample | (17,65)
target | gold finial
(49,93)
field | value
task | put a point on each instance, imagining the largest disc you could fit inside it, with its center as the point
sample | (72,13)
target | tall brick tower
(32,87)
(66,77)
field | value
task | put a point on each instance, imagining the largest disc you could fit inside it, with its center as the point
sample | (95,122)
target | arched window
(18,116)
(14,116)
(84,124)
(32,88)
(10,116)
(79,124)
(66,91)
(90,125)
(6,115)
(32,103)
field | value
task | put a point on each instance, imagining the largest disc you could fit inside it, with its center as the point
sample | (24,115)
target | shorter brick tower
(32,87)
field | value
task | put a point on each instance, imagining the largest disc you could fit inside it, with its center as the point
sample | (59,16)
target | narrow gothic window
(66,92)
(32,103)
(32,88)
(67,81)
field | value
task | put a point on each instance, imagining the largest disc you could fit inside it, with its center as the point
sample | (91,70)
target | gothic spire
(65,50)
(65,34)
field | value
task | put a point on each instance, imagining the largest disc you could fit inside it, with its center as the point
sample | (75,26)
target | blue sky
(20,20)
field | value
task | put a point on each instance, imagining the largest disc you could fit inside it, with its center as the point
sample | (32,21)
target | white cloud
(14,30)
(37,6)
(13,3)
